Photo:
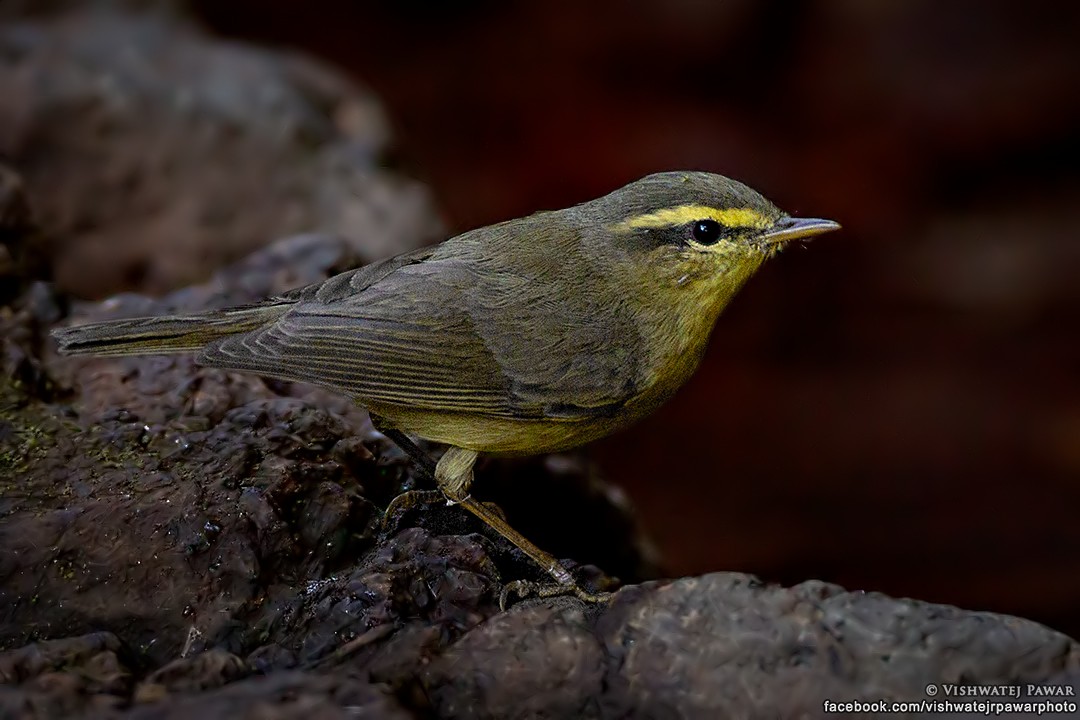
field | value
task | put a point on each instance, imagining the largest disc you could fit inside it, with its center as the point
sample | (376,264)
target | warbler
(529,336)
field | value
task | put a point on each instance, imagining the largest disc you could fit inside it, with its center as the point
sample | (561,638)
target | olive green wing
(346,286)
(394,333)
(425,330)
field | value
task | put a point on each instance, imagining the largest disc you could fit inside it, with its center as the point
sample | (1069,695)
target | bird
(529,336)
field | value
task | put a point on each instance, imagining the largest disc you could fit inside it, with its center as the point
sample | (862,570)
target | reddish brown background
(894,408)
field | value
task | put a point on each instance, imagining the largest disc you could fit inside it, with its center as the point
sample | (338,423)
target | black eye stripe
(704,232)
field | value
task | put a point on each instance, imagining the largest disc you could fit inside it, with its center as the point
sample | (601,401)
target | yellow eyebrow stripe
(673,217)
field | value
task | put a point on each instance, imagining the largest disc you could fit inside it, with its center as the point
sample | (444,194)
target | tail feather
(167,334)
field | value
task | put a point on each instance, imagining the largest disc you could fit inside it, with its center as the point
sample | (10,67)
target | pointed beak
(790,228)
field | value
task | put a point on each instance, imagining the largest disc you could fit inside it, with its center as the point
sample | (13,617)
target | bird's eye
(707,232)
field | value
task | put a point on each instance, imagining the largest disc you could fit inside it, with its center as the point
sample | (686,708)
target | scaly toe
(406,501)
(524,588)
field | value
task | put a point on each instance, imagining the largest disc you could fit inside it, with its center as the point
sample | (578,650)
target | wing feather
(420,350)
(429,330)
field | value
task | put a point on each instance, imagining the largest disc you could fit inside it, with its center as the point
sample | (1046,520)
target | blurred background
(894,407)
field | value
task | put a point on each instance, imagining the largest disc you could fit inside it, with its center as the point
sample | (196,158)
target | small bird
(528,336)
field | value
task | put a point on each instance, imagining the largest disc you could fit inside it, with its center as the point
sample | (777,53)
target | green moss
(26,437)
(43,451)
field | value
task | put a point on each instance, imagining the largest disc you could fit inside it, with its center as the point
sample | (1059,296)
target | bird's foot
(410,500)
(406,502)
(522,589)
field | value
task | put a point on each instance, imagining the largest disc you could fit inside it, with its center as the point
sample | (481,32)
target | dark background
(893,408)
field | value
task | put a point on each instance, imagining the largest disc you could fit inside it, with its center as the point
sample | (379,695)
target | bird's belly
(495,435)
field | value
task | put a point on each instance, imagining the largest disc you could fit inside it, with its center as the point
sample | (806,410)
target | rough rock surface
(182,542)
(188,151)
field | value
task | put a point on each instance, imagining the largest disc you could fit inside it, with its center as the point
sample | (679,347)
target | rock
(727,645)
(700,646)
(281,696)
(62,678)
(188,152)
(205,671)
(722,645)
(550,664)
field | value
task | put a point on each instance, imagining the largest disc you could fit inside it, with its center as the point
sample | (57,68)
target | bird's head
(695,235)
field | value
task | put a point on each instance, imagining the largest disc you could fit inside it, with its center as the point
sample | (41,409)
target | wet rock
(61,678)
(281,696)
(206,671)
(550,665)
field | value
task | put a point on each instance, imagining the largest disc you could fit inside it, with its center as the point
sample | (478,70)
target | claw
(407,501)
(524,588)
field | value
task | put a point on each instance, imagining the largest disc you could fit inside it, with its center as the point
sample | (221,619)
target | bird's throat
(681,335)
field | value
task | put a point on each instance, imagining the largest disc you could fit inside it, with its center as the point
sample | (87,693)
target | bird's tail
(166,334)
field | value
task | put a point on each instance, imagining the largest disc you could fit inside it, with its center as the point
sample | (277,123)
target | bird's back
(475,342)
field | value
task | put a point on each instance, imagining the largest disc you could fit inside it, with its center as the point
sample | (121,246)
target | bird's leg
(410,498)
(423,462)
(454,473)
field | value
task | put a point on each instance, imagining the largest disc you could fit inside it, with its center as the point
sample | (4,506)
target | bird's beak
(790,228)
